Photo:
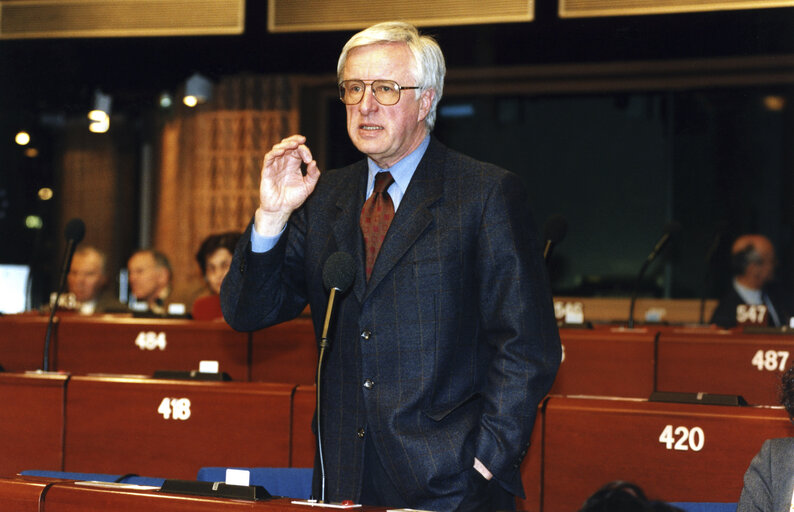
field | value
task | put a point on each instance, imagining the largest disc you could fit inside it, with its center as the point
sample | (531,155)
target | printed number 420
(682,438)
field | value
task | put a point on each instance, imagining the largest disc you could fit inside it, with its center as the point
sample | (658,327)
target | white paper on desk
(116,485)
(310,503)
(238,477)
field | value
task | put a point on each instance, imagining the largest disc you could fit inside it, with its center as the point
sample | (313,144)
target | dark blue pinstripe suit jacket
(462,342)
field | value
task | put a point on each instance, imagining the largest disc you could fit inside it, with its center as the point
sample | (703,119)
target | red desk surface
(67,496)
(606,362)
(31,422)
(724,362)
(119,426)
(589,442)
(304,442)
(22,342)
(141,346)
(19,495)
(286,352)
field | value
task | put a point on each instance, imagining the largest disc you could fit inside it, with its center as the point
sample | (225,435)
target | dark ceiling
(60,75)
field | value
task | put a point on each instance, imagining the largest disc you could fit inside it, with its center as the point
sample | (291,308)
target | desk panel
(286,352)
(31,422)
(75,497)
(304,442)
(22,342)
(173,428)
(18,495)
(724,362)
(606,362)
(675,452)
(141,346)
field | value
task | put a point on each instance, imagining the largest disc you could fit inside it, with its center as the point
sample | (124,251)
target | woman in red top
(214,257)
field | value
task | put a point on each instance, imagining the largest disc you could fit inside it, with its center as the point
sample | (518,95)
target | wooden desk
(68,496)
(589,442)
(286,352)
(606,362)
(141,346)
(724,362)
(18,495)
(171,429)
(304,442)
(31,422)
(22,342)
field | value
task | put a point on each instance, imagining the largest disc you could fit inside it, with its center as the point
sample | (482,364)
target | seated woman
(769,481)
(214,257)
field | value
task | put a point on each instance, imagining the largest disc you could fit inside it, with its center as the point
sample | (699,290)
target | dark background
(619,165)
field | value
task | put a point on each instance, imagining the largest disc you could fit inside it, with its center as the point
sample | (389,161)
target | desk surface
(141,346)
(724,362)
(606,361)
(173,428)
(675,452)
(31,421)
(69,496)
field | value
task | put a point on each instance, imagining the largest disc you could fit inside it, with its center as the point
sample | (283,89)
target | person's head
(149,274)
(753,260)
(621,496)
(787,391)
(87,274)
(215,257)
(396,52)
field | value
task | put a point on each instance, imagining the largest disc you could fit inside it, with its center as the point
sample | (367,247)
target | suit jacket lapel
(414,215)
(346,230)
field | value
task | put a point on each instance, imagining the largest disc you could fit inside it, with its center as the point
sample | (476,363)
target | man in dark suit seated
(753,264)
(447,342)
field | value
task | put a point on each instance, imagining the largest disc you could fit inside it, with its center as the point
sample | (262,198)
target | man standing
(447,341)
(753,264)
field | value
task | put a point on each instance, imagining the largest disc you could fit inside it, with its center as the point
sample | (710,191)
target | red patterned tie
(376,216)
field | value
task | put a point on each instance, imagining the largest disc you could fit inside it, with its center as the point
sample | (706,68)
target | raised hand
(283,187)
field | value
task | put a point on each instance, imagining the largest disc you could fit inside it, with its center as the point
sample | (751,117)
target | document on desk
(116,485)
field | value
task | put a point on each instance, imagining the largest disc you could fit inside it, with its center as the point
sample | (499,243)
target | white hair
(428,69)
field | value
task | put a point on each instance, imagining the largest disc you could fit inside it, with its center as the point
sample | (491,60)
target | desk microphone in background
(74,233)
(338,274)
(669,230)
(554,232)
(721,229)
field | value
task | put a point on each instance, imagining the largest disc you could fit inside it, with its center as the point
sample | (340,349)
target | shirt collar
(748,295)
(402,172)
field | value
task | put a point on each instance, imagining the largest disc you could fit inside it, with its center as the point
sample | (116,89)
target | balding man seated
(753,263)
(87,281)
(150,280)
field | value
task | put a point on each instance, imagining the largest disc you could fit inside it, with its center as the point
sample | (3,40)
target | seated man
(87,281)
(150,279)
(753,263)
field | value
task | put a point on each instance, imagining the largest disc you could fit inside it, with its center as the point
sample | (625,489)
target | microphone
(722,228)
(554,232)
(338,274)
(669,230)
(74,233)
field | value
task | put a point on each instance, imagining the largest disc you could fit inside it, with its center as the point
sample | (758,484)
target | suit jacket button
(365,334)
(360,433)
(369,383)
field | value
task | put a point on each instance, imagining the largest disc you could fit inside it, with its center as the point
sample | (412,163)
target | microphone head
(556,228)
(339,271)
(75,230)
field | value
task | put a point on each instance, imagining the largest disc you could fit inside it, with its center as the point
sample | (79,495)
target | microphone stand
(70,245)
(324,344)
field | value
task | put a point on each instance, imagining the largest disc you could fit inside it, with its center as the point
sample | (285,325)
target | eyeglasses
(386,92)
